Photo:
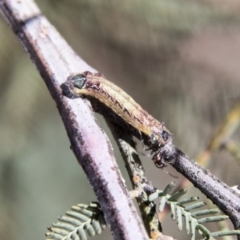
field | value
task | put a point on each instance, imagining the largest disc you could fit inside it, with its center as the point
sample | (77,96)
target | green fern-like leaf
(74,225)
(183,208)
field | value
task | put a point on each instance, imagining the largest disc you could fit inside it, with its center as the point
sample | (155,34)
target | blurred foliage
(178,59)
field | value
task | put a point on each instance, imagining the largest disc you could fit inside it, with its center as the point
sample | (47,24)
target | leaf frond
(74,225)
(184,208)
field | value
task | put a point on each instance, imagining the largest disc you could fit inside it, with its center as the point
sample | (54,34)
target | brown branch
(55,61)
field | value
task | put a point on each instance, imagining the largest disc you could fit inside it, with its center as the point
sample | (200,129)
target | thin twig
(55,61)
(221,194)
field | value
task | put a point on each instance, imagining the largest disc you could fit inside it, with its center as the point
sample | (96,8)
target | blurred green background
(178,59)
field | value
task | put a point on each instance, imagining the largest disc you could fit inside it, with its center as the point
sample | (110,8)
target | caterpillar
(96,86)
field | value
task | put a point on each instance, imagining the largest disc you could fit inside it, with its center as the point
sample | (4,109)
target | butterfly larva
(96,86)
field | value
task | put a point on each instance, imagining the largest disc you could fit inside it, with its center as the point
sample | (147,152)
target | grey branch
(55,61)
(222,195)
